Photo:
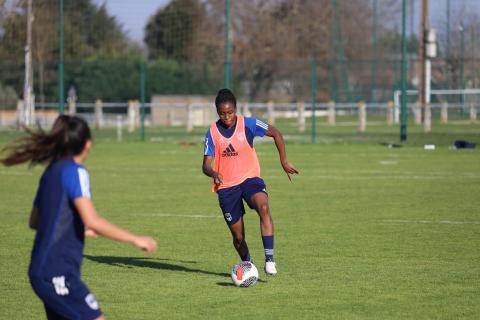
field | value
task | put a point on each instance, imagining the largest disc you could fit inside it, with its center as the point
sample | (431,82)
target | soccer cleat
(270,268)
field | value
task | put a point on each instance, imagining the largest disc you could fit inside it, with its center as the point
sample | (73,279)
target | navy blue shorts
(66,297)
(230,199)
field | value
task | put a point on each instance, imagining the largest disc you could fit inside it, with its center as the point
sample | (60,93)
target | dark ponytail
(67,138)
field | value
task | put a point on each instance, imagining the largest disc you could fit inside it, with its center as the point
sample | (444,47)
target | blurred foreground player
(62,214)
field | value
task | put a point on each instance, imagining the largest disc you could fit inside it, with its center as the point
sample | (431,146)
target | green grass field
(364,232)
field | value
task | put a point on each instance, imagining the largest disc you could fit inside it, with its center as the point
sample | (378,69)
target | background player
(230,159)
(61,213)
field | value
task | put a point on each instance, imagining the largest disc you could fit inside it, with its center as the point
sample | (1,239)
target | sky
(134,14)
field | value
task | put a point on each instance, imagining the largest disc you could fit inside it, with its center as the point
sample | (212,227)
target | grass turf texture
(364,232)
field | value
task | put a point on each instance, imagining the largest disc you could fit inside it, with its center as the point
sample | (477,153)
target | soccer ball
(244,274)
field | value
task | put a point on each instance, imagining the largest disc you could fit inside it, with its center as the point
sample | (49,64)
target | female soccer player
(62,214)
(236,172)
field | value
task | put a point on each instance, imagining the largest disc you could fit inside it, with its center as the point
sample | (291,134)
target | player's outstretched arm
(95,222)
(278,138)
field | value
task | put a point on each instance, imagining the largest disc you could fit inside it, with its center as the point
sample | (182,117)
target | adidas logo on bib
(229,151)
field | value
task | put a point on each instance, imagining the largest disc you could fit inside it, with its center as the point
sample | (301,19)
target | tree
(170,32)
(89,31)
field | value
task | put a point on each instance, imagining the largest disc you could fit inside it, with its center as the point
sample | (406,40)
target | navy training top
(59,241)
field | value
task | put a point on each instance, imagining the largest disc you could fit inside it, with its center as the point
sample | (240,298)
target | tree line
(273,43)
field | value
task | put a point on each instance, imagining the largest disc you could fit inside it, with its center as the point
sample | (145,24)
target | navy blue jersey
(58,246)
(253,128)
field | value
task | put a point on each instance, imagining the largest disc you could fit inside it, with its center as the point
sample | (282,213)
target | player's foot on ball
(270,268)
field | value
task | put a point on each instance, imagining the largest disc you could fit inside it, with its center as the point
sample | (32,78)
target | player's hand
(91,233)
(147,244)
(289,169)
(217,179)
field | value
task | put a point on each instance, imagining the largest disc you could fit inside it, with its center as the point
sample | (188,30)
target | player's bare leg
(260,203)
(238,234)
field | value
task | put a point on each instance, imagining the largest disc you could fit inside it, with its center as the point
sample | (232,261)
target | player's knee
(237,239)
(263,209)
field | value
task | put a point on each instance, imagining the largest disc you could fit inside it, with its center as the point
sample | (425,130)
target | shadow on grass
(146,262)
(225,284)
(230,284)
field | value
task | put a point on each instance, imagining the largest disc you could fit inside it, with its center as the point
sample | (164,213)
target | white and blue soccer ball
(244,274)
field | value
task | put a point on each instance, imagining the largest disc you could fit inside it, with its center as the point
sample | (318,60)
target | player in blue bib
(63,213)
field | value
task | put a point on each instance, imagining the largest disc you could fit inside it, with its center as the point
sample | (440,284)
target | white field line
(383,177)
(15,173)
(381,171)
(355,123)
(178,215)
(431,221)
(388,162)
(146,170)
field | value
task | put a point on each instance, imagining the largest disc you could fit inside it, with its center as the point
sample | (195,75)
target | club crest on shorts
(91,301)
(60,285)
(228,216)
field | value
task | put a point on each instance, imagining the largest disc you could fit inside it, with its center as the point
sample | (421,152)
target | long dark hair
(67,138)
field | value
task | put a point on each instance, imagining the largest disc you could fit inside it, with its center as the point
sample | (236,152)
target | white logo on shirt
(60,287)
(84,182)
(206,146)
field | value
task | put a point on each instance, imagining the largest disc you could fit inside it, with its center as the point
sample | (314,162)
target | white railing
(471,98)
(128,114)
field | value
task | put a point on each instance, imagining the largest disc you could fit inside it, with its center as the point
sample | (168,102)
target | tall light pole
(61,94)
(474,56)
(142,101)
(461,28)
(412,36)
(429,51)
(423,34)
(412,18)
(28,97)
(226,71)
(447,49)
(374,53)
(314,99)
(403,118)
